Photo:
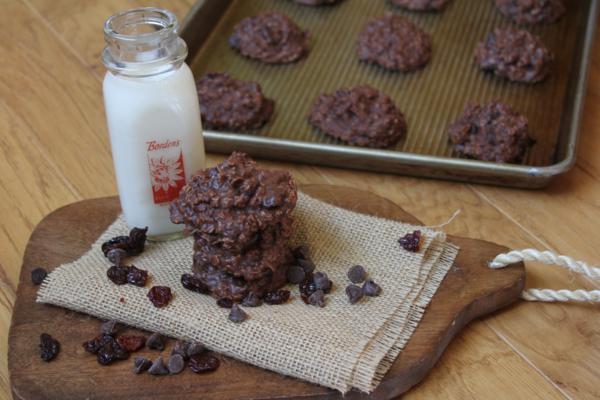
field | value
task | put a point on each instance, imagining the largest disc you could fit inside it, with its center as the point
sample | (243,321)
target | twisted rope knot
(547,257)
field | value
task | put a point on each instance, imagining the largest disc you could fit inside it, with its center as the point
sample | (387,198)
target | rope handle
(547,257)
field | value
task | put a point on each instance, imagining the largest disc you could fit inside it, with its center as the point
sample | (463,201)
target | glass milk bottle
(153,116)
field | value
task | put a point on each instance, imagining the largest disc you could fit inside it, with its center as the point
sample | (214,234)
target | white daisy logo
(165,173)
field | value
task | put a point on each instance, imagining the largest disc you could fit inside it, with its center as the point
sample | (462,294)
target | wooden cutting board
(470,290)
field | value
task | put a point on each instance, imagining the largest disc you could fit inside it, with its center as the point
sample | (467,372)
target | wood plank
(30,187)
(80,22)
(480,355)
(58,100)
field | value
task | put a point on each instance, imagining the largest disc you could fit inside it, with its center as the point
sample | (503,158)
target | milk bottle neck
(143,42)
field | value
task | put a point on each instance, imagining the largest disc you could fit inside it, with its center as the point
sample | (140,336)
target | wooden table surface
(55,150)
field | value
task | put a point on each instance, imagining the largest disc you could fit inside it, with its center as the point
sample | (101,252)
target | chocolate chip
(307,265)
(111,328)
(301,253)
(195,348)
(295,274)
(141,364)
(317,299)
(180,347)
(322,282)
(225,303)
(176,364)
(38,275)
(357,274)
(354,293)
(252,300)
(371,289)
(237,315)
(156,342)
(158,367)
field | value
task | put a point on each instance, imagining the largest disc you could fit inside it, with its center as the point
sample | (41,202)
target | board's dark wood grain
(470,290)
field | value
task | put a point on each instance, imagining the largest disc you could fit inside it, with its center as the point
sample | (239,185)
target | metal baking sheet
(430,99)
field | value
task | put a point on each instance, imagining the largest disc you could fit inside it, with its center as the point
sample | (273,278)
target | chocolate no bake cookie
(515,54)
(420,5)
(361,116)
(532,11)
(270,37)
(394,43)
(250,263)
(223,285)
(491,132)
(229,104)
(240,217)
(235,199)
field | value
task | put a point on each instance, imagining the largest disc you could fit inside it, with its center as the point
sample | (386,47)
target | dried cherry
(110,352)
(117,275)
(307,287)
(160,296)
(95,344)
(278,297)
(190,282)
(49,347)
(411,241)
(132,244)
(131,343)
(136,276)
(204,362)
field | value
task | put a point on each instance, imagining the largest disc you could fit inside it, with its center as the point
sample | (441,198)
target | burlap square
(340,346)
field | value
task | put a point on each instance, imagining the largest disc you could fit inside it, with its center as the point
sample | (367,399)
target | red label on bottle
(167,174)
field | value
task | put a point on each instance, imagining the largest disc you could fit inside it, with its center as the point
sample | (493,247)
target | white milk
(153,120)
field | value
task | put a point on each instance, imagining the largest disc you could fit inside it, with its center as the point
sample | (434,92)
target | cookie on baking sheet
(532,11)
(229,104)
(360,116)
(394,43)
(316,2)
(420,5)
(491,132)
(514,54)
(271,37)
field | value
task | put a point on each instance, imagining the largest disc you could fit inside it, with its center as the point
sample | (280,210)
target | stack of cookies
(240,218)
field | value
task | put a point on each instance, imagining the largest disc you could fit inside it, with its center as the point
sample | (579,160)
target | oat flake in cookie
(270,37)
(421,5)
(229,104)
(360,116)
(514,54)
(394,43)
(491,132)
(532,11)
